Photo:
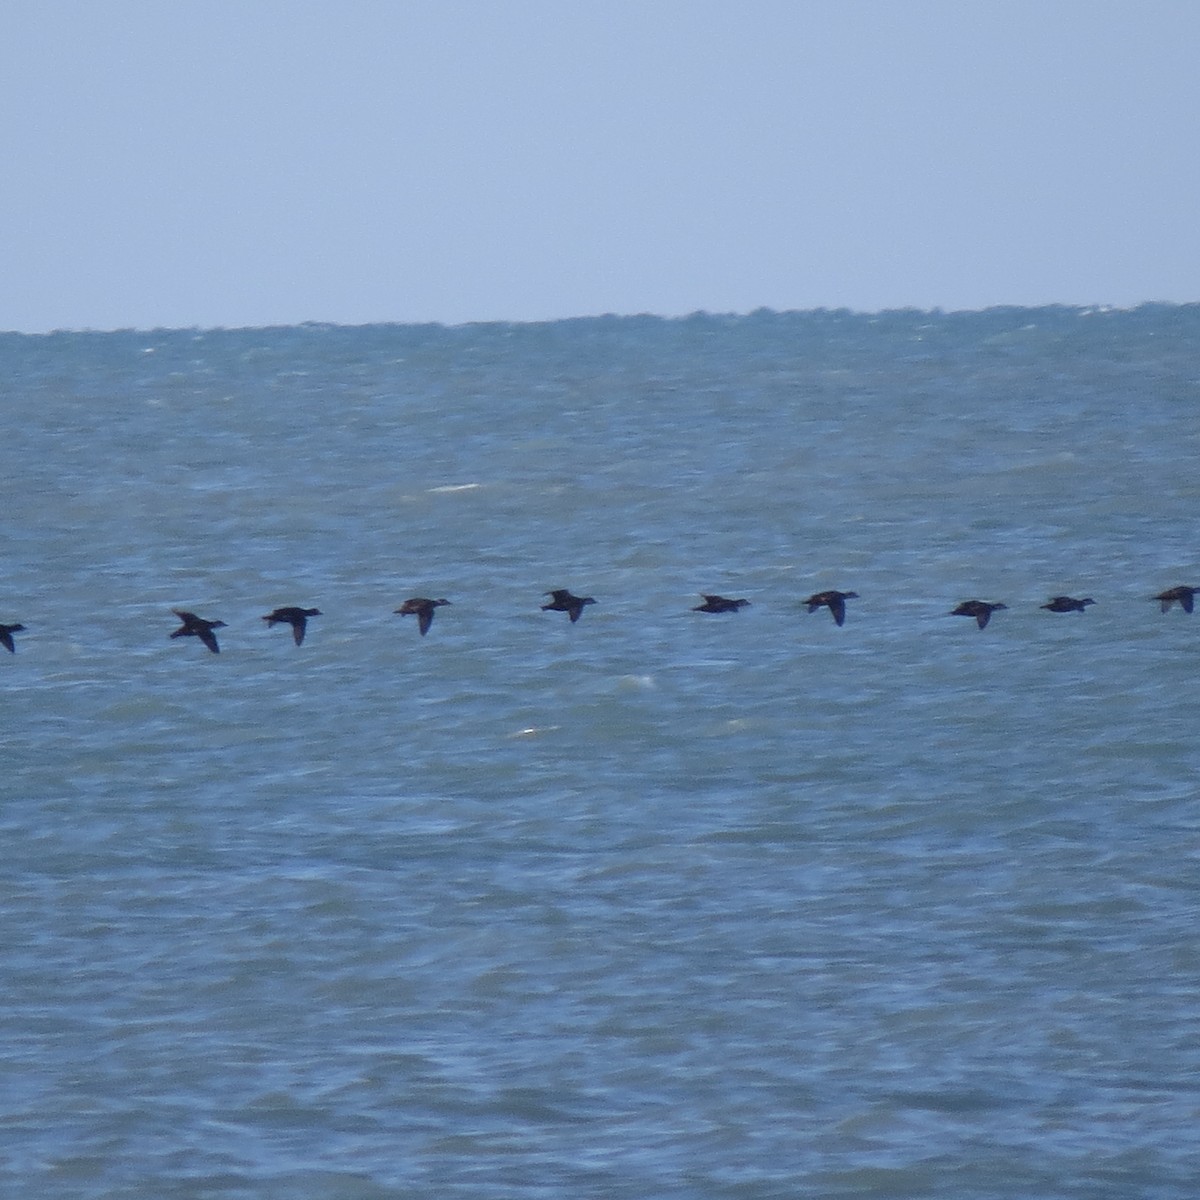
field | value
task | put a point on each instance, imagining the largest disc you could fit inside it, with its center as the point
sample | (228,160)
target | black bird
(719,604)
(561,600)
(1068,604)
(6,640)
(834,601)
(194,626)
(423,609)
(297,618)
(1185,595)
(981,610)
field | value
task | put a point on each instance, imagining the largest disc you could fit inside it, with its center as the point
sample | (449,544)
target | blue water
(656,904)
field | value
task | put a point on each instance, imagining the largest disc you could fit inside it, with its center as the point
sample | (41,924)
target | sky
(265,162)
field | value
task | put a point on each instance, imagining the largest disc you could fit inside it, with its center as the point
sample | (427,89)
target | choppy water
(658,904)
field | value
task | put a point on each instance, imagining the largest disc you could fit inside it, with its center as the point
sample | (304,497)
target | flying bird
(719,604)
(1185,595)
(981,610)
(6,638)
(297,618)
(1068,604)
(194,626)
(561,600)
(423,609)
(832,600)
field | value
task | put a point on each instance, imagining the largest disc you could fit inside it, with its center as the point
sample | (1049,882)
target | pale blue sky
(248,162)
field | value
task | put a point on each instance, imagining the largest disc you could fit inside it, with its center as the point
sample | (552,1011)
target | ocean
(655,904)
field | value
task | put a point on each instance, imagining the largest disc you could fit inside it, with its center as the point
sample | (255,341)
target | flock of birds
(562,600)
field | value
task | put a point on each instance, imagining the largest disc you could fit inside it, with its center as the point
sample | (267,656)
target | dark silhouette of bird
(297,618)
(981,610)
(561,600)
(194,626)
(1185,595)
(6,638)
(832,600)
(716,604)
(423,609)
(1068,604)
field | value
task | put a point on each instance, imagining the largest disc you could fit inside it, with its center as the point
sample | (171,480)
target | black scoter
(194,626)
(297,618)
(981,610)
(1185,595)
(1068,604)
(6,638)
(561,600)
(832,600)
(719,604)
(423,609)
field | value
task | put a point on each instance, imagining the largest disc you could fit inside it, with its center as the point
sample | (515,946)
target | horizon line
(695,314)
